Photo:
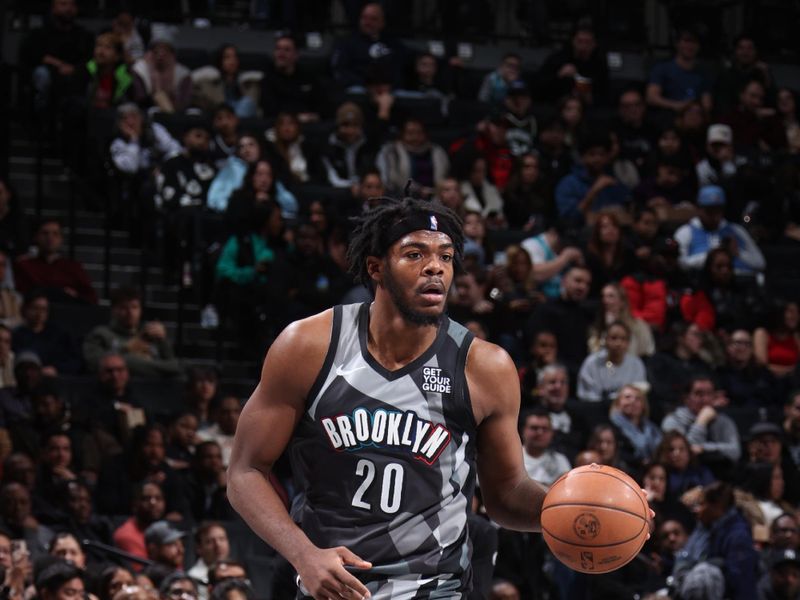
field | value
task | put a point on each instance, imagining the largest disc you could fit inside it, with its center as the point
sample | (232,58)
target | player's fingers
(349,558)
(355,588)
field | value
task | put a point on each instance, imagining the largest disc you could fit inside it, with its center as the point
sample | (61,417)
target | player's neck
(392,340)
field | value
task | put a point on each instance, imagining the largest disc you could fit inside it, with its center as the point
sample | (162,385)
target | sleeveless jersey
(387,461)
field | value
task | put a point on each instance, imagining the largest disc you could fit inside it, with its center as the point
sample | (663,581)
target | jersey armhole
(462,387)
(336,328)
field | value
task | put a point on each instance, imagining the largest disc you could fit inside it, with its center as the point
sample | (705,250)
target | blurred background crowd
(176,186)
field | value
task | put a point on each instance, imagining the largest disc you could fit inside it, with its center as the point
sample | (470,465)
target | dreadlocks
(370,234)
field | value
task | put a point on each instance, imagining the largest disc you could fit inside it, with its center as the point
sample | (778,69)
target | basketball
(595,519)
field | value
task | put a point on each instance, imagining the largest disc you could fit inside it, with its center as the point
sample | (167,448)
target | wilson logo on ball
(586,526)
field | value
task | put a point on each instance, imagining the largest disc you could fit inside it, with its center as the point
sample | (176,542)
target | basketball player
(386,409)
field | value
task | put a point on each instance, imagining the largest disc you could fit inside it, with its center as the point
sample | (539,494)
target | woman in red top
(778,348)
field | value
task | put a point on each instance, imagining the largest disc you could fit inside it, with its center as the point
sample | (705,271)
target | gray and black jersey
(387,460)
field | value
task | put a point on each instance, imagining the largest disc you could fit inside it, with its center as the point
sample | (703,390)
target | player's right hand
(324,576)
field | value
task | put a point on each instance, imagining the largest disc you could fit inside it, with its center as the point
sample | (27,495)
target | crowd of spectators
(632,249)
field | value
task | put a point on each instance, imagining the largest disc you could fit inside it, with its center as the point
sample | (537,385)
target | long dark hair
(248,189)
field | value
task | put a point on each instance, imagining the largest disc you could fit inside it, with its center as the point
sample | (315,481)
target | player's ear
(375,268)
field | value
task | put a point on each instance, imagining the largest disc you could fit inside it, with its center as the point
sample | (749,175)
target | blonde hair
(640,391)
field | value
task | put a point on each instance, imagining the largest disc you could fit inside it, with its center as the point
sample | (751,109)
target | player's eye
(447,257)
(413,255)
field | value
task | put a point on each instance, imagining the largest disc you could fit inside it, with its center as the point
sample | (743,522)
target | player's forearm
(254,498)
(519,508)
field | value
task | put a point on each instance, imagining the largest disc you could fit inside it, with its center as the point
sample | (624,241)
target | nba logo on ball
(595,519)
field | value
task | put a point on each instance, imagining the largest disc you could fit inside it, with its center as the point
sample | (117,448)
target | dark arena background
(177,184)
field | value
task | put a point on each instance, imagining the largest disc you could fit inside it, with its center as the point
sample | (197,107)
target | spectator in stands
(605,371)
(588,188)
(164,546)
(145,461)
(412,156)
(542,463)
(495,85)
(226,417)
(206,484)
(654,482)
(614,307)
(202,393)
(183,180)
(791,425)
(571,111)
(427,80)
(692,124)
(622,168)
(231,175)
(468,301)
(521,135)
(551,257)
(67,547)
(329,223)
(670,193)
(181,439)
(783,578)
(138,145)
(567,316)
(480,194)
(211,545)
(754,125)
(224,134)
(287,86)
(56,468)
(607,254)
(148,507)
(226,83)
(788,114)
(569,425)
(316,281)
(746,384)
(745,66)
(604,441)
(160,81)
(368,47)
(145,346)
(785,532)
(13,224)
(60,580)
(637,135)
(764,485)
(678,81)
(113,404)
(295,161)
(53,54)
(491,144)
(554,153)
(638,435)
(721,162)
(82,522)
(710,229)
(10,299)
(579,68)
(105,78)
(16,519)
(765,445)
(62,278)
(528,198)
(542,353)
(124,26)
(684,472)
(347,152)
(713,435)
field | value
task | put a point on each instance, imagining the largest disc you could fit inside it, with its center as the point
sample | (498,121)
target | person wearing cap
(348,151)
(709,229)
(522,127)
(782,582)
(678,81)
(400,350)
(721,162)
(160,81)
(184,180)
(579,68)
(765,443)
(785,532)
(164,544)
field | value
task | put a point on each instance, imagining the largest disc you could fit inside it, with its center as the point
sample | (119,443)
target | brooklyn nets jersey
(387,459)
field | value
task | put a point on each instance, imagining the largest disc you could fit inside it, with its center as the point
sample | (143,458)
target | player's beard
(409,314)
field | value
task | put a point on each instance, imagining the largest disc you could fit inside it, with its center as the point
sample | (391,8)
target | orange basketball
(594,519)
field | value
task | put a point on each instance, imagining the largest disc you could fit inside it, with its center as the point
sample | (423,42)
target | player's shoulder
(492,379)
(309,334)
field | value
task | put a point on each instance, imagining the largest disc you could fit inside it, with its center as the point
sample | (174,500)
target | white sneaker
(209,318)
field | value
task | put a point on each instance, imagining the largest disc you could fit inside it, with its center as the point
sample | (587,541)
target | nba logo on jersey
(434,224)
